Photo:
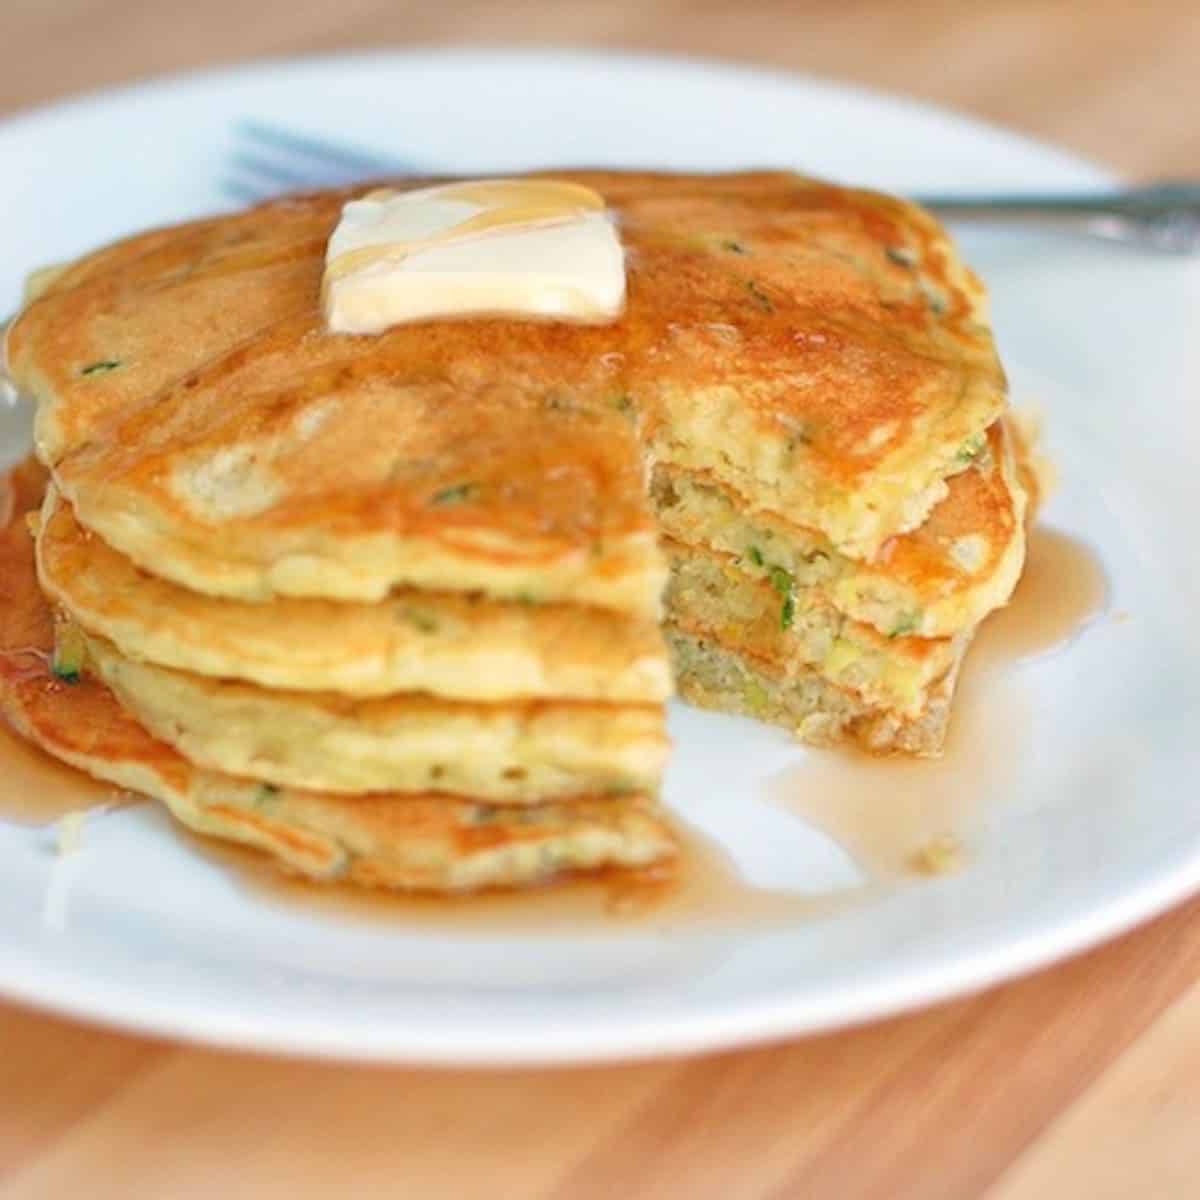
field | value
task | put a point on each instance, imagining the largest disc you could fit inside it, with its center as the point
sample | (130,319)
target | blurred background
(1116,80)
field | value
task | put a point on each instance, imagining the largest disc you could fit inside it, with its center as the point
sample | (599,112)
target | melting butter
(508,247)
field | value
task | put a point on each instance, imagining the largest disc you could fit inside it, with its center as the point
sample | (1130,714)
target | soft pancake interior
(935,581)
(797,658)
(799,630)
(817,710)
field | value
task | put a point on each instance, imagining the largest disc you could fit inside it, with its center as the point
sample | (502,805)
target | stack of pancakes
(390,606)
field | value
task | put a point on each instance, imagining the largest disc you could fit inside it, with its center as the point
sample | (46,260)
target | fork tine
(278,171)
(245,192)
(322,150)
(270,160)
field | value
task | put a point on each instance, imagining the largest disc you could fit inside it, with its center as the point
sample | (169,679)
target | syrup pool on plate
(899,816)
(701,888)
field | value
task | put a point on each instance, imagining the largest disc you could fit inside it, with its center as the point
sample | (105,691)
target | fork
(269,160)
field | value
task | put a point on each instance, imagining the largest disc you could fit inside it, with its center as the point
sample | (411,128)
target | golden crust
(964,560)
(833,333)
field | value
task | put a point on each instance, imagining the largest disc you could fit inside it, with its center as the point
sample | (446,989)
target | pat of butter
(506,247)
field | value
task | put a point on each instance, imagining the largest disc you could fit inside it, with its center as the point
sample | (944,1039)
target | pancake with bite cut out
(821,351)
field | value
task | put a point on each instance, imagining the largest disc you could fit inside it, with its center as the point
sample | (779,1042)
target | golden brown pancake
(508,752)
(467,647)
(819,350)
(427,842)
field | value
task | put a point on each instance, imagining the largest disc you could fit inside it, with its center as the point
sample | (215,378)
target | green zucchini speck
(100,368)
(454,495)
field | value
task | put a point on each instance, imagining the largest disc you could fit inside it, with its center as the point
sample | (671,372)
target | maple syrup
(896,816)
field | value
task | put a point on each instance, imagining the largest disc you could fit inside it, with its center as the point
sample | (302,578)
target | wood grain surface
(1082,1081)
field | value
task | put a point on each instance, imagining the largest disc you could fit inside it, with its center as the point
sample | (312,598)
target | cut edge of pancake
(798,631)
(892,500)
(815,710)
(923,583)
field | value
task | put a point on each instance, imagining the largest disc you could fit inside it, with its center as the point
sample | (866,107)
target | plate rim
(728,1026)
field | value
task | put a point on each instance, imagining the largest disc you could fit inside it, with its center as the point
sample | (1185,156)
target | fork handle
(1165,216)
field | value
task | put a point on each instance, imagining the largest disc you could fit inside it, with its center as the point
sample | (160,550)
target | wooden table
(1083,1081)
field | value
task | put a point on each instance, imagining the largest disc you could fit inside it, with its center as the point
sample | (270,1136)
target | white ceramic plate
(1094,823)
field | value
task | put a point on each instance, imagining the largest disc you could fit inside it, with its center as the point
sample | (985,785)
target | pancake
(940,579)
(816,710)
(425,842)
(821,351)
(465,647)
(514,753)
